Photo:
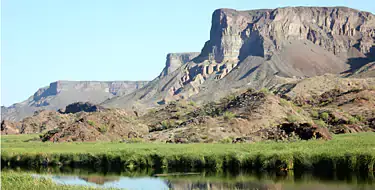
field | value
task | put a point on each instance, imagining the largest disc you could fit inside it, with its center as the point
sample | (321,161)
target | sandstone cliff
(264,48)
(176,60)
(61,93)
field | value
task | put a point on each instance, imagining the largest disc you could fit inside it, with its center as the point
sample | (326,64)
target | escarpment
(238,34)
(247,49)
(264,48)
(62,93)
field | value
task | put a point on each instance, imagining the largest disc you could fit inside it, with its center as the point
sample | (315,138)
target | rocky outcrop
(9,128)
(61,93)
(264,48)
(176,60)
(306,131)
(108,125)
(80,106)
(238,34)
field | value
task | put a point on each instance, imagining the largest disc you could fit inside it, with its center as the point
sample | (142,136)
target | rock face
(61,93)
(238,34)
(79,107)
(176,60)
(264,48)
(9,128)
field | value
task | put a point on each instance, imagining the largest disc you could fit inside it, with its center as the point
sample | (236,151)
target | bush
(228,99)
(103,129)
(324,116)
(284,102)
(360,118)
(292,118)
(265,91)
(226,140)
(152,111)
(314,114)
(192,103)
(228,115)
(210,109)
(352,120)
(167,124)
(135,140)
(320,123)
(92,123)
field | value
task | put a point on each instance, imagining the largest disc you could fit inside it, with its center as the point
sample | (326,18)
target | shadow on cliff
(253,45)
(358,62)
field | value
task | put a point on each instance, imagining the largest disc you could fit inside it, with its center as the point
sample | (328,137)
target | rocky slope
(264,48)
(61,93)
(300,110)
(176,60)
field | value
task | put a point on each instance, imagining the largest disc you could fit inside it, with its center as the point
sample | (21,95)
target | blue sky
(48,40)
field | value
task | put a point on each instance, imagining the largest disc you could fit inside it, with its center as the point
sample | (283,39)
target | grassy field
(350,152)
(23,181)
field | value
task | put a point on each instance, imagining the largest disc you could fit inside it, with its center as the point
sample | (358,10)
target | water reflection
(181,180)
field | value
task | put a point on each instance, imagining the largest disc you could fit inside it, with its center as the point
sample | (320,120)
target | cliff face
(61,93)
(176,60)
(238,34)
(264,48)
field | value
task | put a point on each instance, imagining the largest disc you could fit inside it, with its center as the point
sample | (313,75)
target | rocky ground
(295,111)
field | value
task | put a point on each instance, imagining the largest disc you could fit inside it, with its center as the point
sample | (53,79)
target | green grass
(23,181)
(353,152)
(229,115)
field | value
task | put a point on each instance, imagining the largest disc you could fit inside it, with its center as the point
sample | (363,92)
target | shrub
(314,114)
(92,123)
(228,115)
(284,102)
(135,140)
(210,109)
(299,110)
(152,111)
(352,120)
(226,140)
(265,91)
(324,116)
(167,124)
(228,98)
(320,123)
(103,129)
(178,114)
(360,118)
(192,103)
(292,118)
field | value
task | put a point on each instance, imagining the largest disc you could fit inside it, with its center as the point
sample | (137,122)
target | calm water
(150,180)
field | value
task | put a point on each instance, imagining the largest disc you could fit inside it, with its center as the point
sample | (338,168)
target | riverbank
(347,153)
(24,181)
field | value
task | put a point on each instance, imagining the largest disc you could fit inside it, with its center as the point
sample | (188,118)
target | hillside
(296,110)
(61,93)
(265,48)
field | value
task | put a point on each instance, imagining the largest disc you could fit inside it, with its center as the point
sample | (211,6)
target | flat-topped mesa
(175,60)
(235,34)
(113,87)
(62,93)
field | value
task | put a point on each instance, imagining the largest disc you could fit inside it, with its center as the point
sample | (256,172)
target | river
(150,179)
